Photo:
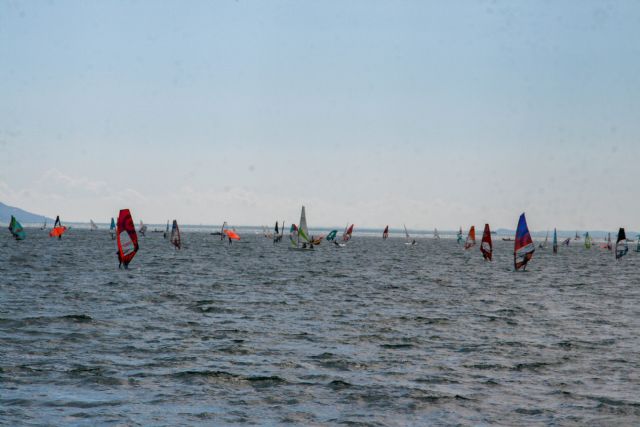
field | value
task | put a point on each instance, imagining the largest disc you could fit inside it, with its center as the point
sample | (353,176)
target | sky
(433,114)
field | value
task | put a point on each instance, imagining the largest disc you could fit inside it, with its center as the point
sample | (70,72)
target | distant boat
(346,236)
(409,240)
(621,244)
(460,236)
(93,225)
(546,240)
(555,242)
(16,229)
(112,229)
(385,233)
(587,241)
(524,248)
(471,238)
(486,246)
(175,235)
(58,229)
(143,228)
(435,234)
(299,235)
(507,239)
(126,238)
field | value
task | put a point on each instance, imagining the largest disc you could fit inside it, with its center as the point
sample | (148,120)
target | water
(377,333)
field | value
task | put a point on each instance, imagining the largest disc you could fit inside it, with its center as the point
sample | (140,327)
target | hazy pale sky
(374,112)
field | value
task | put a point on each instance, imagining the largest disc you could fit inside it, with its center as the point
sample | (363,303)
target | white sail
(302,228)
(435,234)
(93,225)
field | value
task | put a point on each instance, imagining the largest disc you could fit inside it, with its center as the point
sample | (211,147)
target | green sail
(16,229)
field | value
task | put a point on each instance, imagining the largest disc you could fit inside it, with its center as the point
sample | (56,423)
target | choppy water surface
(374,333)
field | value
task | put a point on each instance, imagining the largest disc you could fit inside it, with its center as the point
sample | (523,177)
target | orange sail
(126,237)
(471,238)
(486,247)
(232,235)
(57,231)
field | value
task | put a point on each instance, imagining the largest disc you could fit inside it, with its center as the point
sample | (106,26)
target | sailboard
(385,233)
(127,239)
(112,229)
(346,236)
(587,240)
(555,241)
(175,235)
(302,240)
(143,228)
(524,248)
(543,245)
(460,236)
(409,240)
(58,229)
(471,238)
(486,246)
(277,236)
(16,229)
(621,244)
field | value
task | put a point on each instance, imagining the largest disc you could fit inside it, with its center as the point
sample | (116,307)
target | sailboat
(58,229)
(621,244)
(555,241)
(143,228)
(460,236)
(471,238)
(435,234)
(175,235)
(543,245)
(112,229)
(587,240)
(346,235)
(385,233)
(16,229)
(299,235)
(524,248)
(127,239)
(93,225)
(486,246)
(409,241)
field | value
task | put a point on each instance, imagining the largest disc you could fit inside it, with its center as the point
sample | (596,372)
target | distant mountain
(21,215)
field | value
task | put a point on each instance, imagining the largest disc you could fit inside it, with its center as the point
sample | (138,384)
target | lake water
(376,333)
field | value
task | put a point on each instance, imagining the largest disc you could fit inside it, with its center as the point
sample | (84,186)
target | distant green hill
(21,215)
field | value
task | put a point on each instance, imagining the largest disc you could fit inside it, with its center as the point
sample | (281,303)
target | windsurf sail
(276,233)
(486,246)
(587,240)
(406,232)
(303,231)
(577,236)
(555,241)
(435,234)
(293,235)
(93,225)
(460,236)
(471,238)
(546,240)
(231,234)
(346,236)
(566,241)
(166,231)
(222,233)
(44,226)
(524,247)
(112,228)
(332,235)
(58,229)
(638,244)
(385,233)
(609,245)
(127,239)
(16,229)
(143,228)
(621,244)
(175,235)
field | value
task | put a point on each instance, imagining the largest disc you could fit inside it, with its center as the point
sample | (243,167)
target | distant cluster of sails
(124,233)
